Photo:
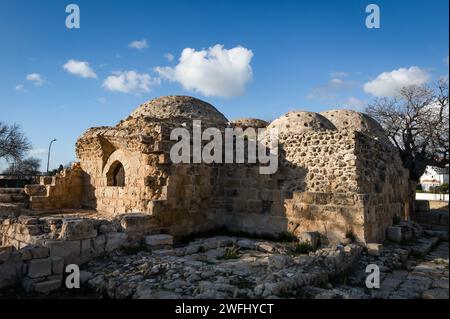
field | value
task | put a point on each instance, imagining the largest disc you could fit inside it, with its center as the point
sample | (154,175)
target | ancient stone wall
(384,181)
(55,192)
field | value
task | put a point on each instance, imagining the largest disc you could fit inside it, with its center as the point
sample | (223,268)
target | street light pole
(48,155)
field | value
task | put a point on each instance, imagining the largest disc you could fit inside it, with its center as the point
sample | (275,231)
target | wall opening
(116,175)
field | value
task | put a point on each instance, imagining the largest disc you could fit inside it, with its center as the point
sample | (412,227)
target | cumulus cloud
(355,103)
(129,82)
(139,44)
(339,74)
(328,90)
(80,68)
(169,57)
(212,72)
(37,152)
(390,83)
(35,78)
(19,87)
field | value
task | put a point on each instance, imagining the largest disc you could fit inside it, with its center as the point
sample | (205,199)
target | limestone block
(137,223)
(7,274)
(99,244)
(374,249)
(115,240)
(67,249)
(394,233)
(5,252)
(78,229)
(313,238)
(47,286)
(57,265)
(159,240)
(39,252)
(246,244)
(28,283)
(39,268)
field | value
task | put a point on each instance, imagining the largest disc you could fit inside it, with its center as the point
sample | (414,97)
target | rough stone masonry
(338,175)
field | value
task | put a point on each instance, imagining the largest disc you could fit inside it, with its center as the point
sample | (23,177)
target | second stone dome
(356,121)
(302,121)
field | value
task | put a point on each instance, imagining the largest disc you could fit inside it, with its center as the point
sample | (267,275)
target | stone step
(4,190)
(423,246)
(13,198)
(12,209)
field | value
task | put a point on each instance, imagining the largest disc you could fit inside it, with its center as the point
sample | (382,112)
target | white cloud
(390,83)
(212,72)
(35,78)
(37,152)
(355,103)
(139,45)
(80,68)
(328,90)
(19,87)
(129,82)
(101,100)
(169,57)
(339,74)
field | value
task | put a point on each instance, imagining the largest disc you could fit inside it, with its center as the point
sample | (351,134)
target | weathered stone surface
(78,229)
(70,250)
(374,249)
(39,268)
(47,286)
(313,238)
(5,252)
(394,234)
(7,274)
(39,252)
(114,241)
(57,265)
(158,240)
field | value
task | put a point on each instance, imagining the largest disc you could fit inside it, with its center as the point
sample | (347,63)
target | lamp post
(48,155)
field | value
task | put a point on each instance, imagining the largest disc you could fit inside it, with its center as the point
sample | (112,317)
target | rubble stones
(374,249)
(39,268)
(394,233)
(158,240)
(78,229)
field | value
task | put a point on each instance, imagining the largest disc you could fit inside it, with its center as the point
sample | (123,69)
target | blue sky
(286,55)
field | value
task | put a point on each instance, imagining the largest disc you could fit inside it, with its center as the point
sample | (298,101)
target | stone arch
(120,162)
(116,175)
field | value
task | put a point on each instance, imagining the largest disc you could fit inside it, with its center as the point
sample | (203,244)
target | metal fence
(18,181)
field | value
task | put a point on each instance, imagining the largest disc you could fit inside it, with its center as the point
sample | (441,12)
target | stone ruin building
(339,180)
(338,175)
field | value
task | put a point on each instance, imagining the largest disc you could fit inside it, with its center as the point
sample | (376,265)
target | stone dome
(299,122)
(177,109)
(249,122)
(352,120)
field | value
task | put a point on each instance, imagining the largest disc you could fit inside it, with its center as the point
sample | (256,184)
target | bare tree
(13,143)
(417,122)
(27,167)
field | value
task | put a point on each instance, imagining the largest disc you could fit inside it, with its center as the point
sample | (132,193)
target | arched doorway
(116,175)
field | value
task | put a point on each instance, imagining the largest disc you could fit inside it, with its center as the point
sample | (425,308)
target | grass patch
(230,253)
(287,237)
